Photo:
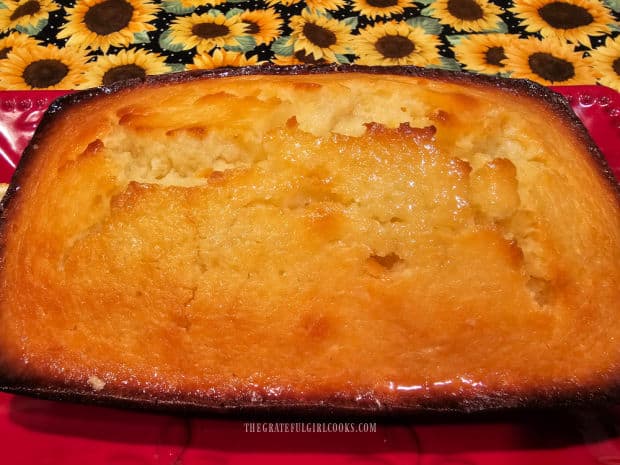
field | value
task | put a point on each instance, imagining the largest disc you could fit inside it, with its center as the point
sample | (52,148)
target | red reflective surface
(43,432)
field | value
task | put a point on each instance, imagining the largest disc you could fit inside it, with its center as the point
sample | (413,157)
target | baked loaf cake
(312,239)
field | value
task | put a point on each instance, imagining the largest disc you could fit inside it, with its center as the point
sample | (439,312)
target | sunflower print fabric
(55,44)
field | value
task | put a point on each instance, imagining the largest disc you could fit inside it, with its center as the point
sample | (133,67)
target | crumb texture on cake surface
(304,235)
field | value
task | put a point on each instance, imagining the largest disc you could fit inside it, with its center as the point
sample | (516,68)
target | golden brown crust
(499,229)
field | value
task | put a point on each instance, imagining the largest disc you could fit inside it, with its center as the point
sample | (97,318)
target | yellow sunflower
(206,31)
(549,62)
(383,8)
(22,15)
(127,64)
(567,20)
(396,43)
(319,36)
(317,5)
(283,2)
(483,53)
(222,58)
(39,67)
(286,60)
(103,23)
(15,40)
(197,3)
(263,25)
(606,63)
(466,15)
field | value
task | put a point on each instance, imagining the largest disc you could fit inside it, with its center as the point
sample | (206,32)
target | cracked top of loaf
(351,238)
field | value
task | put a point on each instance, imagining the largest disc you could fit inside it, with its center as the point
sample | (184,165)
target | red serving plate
(43,432)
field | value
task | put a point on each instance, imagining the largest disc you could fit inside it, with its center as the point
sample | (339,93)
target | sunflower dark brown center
(495,55)
(319,35)
(44,73)
(107,17)
(616,66)
(382,3)
(551,68)
(26,9)
(210,30)
(122,73)
(5,52)
(251,27)
(466,10)
(307,58)
(565,15)
(394,46)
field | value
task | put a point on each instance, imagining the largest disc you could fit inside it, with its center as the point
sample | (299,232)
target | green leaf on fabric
(175,7)
(176,67)
(342,59)
(244,44)
(166,43)
(447,63)
(141,38)
(430,25)
(3,6)
(351,21)
(33,29)
(281,46)
(614,27)
(455,39)
(213,12)
(428,11)
(501,26)
(234,12)
(613,4)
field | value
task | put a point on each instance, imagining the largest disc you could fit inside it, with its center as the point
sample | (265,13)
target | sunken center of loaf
(312,234)
(358,170)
